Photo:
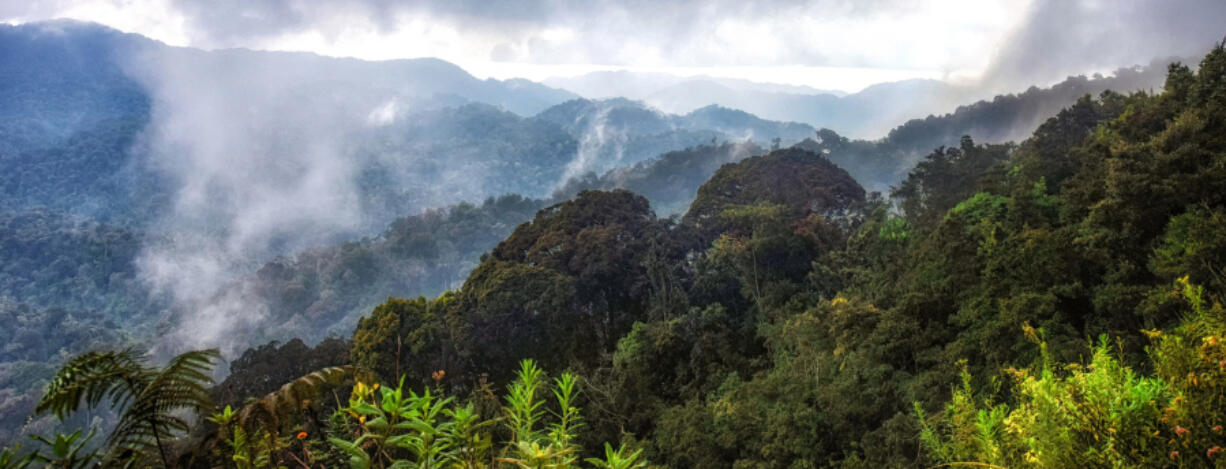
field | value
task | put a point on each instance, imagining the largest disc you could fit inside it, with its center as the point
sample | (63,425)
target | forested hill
(83,137)
(670,180)
(811,304)
(789,319)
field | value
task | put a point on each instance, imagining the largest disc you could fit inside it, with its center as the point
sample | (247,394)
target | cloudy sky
(837,44)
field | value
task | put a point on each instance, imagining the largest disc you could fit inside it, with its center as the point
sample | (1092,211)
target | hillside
(110,126)
(797,338)
(791,319)
(238,258)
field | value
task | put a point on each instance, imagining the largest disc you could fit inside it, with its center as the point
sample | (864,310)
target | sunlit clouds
(826,44)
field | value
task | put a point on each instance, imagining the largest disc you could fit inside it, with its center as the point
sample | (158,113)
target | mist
(271,154)
(258,160)
(1061,38)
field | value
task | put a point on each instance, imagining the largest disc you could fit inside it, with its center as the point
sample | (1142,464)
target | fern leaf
(273,409)
(92,377)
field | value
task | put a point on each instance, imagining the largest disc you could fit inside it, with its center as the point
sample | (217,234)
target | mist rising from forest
(259,166)
(262,160)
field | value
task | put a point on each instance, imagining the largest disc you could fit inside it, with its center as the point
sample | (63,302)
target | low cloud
(258,159)
(1060,38)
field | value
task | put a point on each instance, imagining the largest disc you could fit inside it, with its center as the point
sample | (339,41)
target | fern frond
(92,377)
(273,409)
(182,384)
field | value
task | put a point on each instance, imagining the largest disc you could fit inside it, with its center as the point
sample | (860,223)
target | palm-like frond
(272,409)
(148,398)
(92,377)
(182,384)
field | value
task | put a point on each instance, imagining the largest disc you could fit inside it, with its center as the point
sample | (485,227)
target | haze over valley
(719,196)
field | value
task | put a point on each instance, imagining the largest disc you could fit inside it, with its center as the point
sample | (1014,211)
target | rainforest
(228,240)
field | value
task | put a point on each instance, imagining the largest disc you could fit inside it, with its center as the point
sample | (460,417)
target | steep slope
(62,78)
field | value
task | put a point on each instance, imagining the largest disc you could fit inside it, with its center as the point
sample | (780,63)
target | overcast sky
(835,44)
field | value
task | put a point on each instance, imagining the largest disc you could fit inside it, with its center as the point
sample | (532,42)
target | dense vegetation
(809,330)
(670,180)
(322,291)
(1050,303)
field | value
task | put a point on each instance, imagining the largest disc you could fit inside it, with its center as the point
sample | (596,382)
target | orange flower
(302,435)
(1174,454)
(1180,430)
(1213,451)
(438,375)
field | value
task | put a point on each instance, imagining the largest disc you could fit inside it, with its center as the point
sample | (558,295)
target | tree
(805,183)
(148,398)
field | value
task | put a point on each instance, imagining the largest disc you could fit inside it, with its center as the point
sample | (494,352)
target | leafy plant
(400,430)
(148,398)
(67,451)
(11,458)
(246,452)
(530,447)
(396,421)
(618,459)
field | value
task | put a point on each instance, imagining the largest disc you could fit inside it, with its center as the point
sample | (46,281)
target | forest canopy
(1053,302)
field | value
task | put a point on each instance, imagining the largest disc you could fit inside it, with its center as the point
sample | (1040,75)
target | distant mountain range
(125,130)
(108,125)
(277,153)
(641,85)
(867,114)
(227,197)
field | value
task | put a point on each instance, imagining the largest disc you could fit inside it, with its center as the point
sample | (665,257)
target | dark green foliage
(262,370)
(513,310)
(1075,230)
(672,360)
(802,182)
(1194,244)
(564,288)
(573,279)
(942,180)
(404,338)
(790,320)
(817,317)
